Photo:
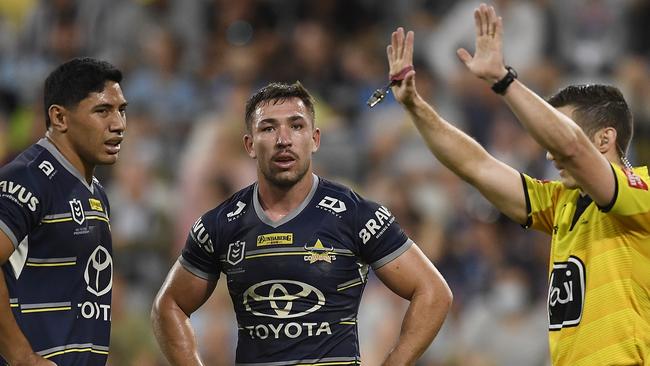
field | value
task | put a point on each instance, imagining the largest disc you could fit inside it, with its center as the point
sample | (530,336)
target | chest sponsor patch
(96,205)
(566,293)
(274,239)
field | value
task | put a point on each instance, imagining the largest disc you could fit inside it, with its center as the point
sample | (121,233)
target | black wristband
(502,85)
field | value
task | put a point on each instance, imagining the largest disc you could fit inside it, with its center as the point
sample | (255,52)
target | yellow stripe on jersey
(42,310)
(60,264)
(87,349)
(55,221)
(611,325)
(274,254)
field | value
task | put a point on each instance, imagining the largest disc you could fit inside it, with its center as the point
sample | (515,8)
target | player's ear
(316,138)
(58,117)
(606,139)
(248,145)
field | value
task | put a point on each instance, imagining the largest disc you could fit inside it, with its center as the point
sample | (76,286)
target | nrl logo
(77,211)
(236,252)
(318,252)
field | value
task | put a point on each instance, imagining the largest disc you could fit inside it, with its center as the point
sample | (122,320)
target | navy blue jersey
(296,283)
(61,274)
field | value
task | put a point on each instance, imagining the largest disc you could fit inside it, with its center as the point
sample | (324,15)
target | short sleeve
(380,238)
(632,199)
(541,201)
(21,203)
(198,255)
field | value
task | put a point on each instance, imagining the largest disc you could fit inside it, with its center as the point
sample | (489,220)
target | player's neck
(64,147)
(278,201)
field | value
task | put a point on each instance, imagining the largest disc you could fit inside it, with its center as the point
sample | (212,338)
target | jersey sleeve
(199,256)
(541,201)
(380,238)
(632,199)
(21,203)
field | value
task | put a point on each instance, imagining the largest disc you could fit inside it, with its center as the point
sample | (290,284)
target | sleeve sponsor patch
(634,180)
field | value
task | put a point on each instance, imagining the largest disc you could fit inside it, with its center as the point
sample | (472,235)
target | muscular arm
(14,347)
(498,182)
(413,277)
(560,135)
(180,295)
(565,140)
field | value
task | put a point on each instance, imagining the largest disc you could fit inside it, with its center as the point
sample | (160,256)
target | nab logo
(99,272)
(237,212)
(236,252)
(332,205)
(77,211)
(566,294)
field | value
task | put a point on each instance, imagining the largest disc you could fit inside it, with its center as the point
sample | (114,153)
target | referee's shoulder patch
(635,181)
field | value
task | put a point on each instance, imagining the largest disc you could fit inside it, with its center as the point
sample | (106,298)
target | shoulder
(32,169)
(339,198)
(229,210)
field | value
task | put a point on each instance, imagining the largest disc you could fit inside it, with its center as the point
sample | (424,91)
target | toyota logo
(283,299)
(99,272)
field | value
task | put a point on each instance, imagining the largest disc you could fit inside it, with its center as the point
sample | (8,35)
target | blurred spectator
(190,64)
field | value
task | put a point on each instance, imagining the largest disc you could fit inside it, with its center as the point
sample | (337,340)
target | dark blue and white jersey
(296,283)
(60,276)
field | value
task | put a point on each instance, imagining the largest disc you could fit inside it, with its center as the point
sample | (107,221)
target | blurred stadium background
(190,65)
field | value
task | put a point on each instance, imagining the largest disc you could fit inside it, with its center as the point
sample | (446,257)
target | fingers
(492,21)
(401,47)
(409,79)
(463,55)
(499,26)
(408,48)
(400,42)
(483,16)
(486,21)
(477,22)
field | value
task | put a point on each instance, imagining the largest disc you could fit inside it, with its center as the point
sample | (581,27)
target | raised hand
(487,62)
(400,57)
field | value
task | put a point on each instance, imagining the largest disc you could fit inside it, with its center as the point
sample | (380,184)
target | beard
(285,178)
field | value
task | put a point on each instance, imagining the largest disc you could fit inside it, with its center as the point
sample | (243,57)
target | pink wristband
(402,74)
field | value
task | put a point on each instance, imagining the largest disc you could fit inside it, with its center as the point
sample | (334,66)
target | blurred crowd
(189,67)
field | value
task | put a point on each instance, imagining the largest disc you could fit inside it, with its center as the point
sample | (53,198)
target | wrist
(412,102)
(504,82)
(498,76)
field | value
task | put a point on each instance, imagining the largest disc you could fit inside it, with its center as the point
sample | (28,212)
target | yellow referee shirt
(599,270)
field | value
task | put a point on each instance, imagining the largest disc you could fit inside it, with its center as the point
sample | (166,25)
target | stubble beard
(285,179)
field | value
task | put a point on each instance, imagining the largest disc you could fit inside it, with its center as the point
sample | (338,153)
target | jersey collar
(45,143)
(265,219)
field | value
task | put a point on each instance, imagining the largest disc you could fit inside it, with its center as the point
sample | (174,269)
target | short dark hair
(598,106)
(278,93)
(72,81)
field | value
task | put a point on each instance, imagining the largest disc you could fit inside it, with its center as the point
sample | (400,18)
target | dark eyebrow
(296,118)
(108,105)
